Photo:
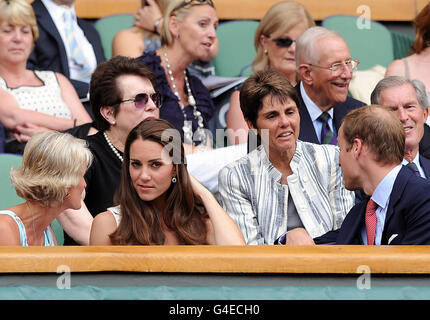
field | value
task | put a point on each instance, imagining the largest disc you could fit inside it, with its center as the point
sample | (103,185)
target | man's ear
(357,147)
(109,114)
(304,72)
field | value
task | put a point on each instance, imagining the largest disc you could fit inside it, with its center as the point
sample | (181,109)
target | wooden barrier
(218,259)
(379,10)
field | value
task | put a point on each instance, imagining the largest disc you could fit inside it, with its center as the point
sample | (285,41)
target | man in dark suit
(325,68)
(396,209)
(408,99)
(52,50)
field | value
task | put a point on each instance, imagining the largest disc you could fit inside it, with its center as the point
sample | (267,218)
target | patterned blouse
(253,196)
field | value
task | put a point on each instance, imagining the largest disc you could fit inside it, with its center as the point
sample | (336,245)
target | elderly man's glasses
(337,67)
(141,100)
(284,42)
(191,2)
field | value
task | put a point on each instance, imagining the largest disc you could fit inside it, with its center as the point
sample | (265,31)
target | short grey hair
(396,81)
(305,51)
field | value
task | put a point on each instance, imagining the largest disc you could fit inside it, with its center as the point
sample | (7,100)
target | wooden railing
(219,259)
(380,10)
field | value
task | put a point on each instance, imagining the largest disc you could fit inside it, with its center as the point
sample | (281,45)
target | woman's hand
(146,16)
(26,131)
(299,237)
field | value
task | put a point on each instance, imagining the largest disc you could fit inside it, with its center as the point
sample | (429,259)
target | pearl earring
(265,51)
(113,122)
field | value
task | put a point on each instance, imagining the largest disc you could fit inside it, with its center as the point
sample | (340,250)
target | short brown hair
(104,89)
(258,86)
(379,129)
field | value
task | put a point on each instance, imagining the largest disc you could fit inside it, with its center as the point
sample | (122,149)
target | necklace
(115,151)
(200,134)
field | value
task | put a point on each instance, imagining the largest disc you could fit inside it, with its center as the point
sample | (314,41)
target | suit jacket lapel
(398,187)
(46,22)
(425,165)
(350,232)
(339,112)
(307,130)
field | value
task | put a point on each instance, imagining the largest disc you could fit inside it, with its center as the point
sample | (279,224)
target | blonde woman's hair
(279,19)
(166,37)
(52,163)
(19,12)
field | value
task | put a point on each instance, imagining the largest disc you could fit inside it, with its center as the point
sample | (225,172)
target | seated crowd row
(316,166)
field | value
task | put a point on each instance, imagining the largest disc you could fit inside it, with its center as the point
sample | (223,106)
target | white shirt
(315,112)
(57,14)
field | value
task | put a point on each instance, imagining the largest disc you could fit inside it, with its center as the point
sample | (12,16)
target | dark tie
(414,168)
(370,220)
(327,135)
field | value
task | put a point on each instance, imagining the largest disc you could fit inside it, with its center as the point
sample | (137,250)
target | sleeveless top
(116,212)
(45,98)
(49,239)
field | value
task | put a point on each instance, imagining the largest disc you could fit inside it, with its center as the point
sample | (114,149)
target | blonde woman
(188,33)
(32,101)
(274,42)
(50,179)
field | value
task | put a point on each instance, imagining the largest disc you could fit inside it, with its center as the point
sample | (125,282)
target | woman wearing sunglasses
(121,95)
(159,202)
(274,42)
(188,33)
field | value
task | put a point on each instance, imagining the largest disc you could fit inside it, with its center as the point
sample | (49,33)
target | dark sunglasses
(284,42)
(141,99)
(191,2)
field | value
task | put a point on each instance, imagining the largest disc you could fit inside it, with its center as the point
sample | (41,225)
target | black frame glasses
(189,2)
(284,42)
(141,100)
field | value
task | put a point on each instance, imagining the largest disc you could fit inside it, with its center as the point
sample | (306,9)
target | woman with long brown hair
(159,202)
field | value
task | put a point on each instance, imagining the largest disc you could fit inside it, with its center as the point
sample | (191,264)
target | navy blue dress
(171,111)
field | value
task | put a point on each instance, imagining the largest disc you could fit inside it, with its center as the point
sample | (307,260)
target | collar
(56,10)
(416,160)
(313,109)
(261,161)
(382,193)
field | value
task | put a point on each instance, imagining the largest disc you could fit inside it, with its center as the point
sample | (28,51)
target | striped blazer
(253,196)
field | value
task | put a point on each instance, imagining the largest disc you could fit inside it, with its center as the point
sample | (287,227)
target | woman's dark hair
(264,83)
(104,89)
(140,223)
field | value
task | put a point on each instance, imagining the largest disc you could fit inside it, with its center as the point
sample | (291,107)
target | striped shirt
(252,194)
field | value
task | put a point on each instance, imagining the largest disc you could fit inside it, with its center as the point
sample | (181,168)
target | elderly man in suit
(396,209)
(408,99)
(66,44)
(325,67)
